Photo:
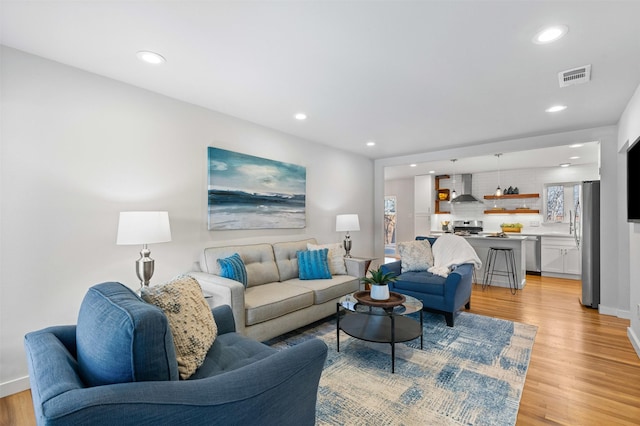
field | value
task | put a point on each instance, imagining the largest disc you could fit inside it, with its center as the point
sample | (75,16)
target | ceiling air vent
(575,76)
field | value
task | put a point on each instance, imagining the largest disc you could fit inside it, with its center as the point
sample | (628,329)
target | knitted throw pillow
(415,255)
(190,319)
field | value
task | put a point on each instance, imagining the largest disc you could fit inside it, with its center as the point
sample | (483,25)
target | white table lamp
(347,222)
(144,228)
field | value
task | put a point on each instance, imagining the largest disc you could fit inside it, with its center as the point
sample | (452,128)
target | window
(389,220)
(560,199)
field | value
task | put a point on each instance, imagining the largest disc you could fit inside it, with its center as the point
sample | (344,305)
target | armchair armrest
(223,291)
(223,316)
(458,285)
(395,267)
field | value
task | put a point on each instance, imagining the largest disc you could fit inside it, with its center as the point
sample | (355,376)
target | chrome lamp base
(144,267)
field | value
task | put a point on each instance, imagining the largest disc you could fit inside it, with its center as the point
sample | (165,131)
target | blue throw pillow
(232,267)
(313,264)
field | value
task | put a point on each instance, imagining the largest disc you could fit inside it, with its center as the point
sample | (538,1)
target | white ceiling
(588,153)
(414,76)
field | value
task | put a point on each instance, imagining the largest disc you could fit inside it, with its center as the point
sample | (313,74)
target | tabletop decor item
(511,227)
(142,228)
(379,282)
(347,222)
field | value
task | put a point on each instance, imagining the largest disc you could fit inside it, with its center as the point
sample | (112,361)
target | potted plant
(379,282)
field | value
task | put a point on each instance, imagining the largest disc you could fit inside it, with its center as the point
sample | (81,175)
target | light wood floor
(583,369)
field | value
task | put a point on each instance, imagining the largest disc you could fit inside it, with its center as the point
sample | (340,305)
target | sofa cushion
(120,338)
(313,265)
(326,290)
(273,300)
(422,282)
(232,267)
(335,257)
(258,260)
(190,319)
(415,255)
(286,257)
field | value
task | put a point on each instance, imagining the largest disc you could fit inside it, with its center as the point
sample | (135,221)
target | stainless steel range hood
(466,196)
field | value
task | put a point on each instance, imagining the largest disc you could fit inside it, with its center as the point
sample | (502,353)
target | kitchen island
(482,243)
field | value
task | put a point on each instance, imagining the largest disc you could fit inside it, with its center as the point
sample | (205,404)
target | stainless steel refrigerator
(588,239)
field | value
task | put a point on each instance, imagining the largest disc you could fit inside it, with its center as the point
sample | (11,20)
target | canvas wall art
(247,192)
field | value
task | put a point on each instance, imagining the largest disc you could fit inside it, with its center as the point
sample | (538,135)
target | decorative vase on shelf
(380,292)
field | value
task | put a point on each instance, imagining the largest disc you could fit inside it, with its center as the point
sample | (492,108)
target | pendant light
(498,190)
(453,193)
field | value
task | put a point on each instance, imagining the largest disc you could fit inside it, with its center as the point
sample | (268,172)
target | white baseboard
(633,338)
(616,312)
(14,386)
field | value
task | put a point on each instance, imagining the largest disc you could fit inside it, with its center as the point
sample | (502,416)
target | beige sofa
(276,300)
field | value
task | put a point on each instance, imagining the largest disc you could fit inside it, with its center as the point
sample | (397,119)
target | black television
(633,181)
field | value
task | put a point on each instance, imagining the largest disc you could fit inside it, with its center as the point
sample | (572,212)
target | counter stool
(510,262)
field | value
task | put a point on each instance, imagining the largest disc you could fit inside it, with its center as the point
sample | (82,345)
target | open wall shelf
(514,211)
(510,196)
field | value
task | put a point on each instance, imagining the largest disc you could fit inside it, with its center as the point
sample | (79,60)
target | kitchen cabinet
(560,256)
(423,195)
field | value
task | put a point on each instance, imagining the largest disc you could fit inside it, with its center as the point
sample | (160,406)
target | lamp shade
(347,222)
(143,228)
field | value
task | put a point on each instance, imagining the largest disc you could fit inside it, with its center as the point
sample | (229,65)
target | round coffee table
(387,324)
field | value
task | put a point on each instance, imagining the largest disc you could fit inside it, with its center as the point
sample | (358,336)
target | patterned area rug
(471,374)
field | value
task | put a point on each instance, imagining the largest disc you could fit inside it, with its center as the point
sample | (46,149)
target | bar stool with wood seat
(510,272)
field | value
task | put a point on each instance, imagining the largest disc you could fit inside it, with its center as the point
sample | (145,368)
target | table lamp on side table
(347,222)
(144,228)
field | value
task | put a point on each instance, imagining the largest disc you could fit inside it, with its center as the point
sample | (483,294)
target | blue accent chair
(242,381)
(438,294)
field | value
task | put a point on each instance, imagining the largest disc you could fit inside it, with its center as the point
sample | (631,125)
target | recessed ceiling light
(151,57)
(432,171)
(575,145)
(413,165)
(550,34)
(575,157)
(371,143)
(301,116)
(565,164)
(556,108)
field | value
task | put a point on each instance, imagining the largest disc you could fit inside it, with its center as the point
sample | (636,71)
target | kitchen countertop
(518,234)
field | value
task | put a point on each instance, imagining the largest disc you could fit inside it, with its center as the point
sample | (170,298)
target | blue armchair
(242,381)
(438,294)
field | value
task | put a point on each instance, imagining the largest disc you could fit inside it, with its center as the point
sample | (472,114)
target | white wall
(629,234)
(78,148)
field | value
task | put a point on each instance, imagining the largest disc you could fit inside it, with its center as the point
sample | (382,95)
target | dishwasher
(533,254)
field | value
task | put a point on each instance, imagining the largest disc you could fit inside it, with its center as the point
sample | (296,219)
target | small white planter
(380,292)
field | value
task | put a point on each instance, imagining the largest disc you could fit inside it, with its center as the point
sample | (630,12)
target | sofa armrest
(223,291)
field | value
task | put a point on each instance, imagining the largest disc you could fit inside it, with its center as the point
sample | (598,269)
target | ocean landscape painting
(247,192)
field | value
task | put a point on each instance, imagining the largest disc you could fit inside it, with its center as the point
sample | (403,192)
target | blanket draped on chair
(449,250)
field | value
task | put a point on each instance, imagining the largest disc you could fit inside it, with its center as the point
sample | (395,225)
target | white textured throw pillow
(190,319)
(415,255)
(335,257)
